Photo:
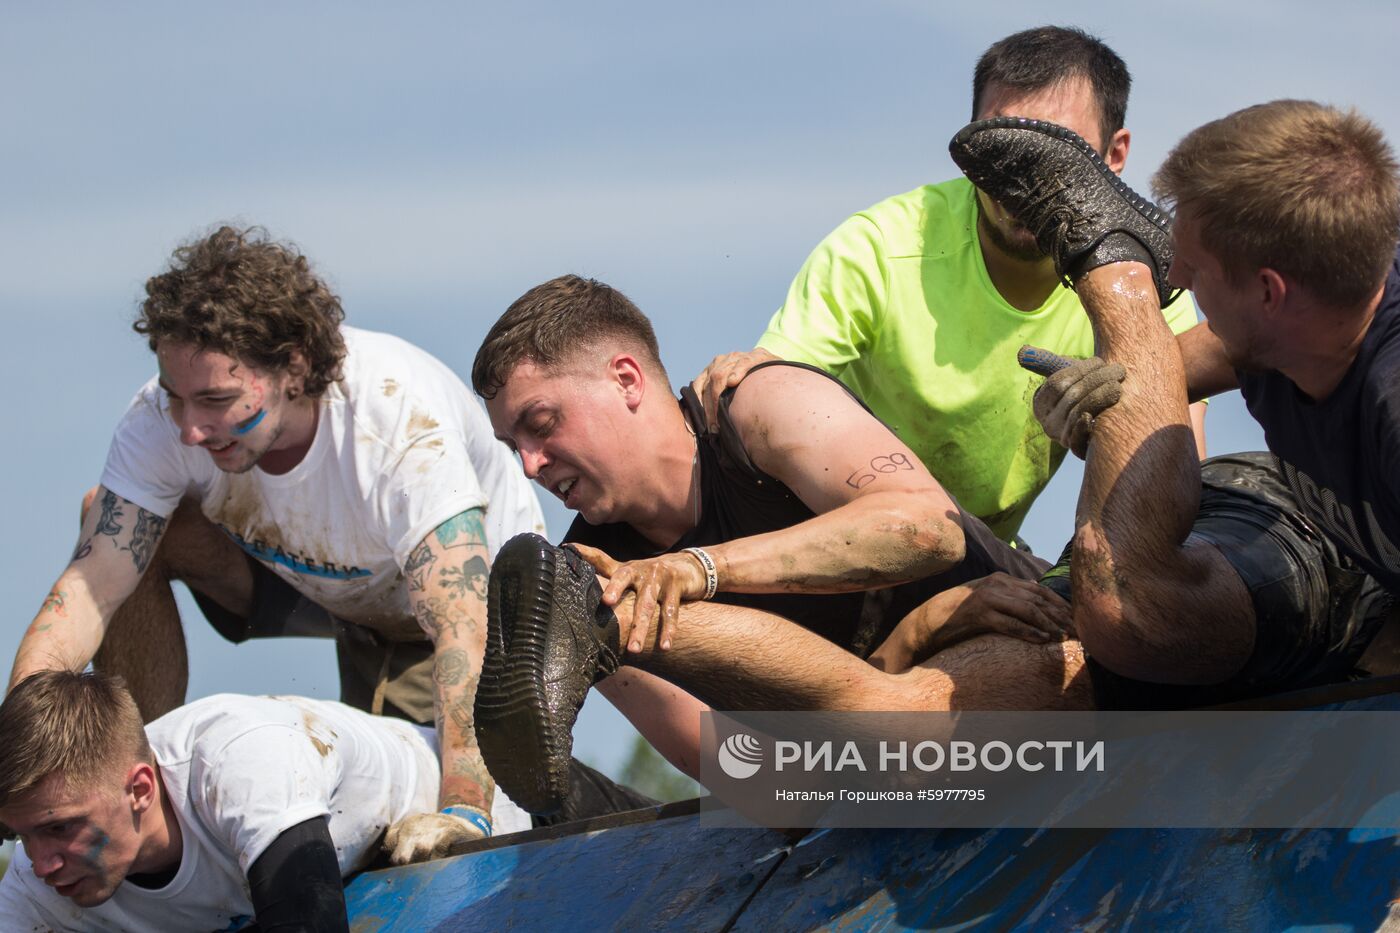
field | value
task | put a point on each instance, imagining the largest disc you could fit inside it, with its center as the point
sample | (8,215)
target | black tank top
(738,500)
(1341,456)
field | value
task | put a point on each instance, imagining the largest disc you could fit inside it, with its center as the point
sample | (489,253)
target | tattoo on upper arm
(886,463)
(144,537)
(420,563)
(462,528)
(460,579)
(468,579)
(111,511)
(107,524)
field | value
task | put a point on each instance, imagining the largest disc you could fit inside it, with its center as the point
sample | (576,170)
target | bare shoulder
(791,398)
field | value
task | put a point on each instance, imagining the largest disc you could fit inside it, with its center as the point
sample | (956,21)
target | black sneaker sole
(1146,208)
(959,149)
(514,728)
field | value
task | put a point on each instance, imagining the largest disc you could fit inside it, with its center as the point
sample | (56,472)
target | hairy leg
(995,672)
(145,642)
(1147,603)
(743,659)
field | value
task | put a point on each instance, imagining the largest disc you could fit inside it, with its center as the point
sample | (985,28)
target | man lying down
(1233,597)
(225,812)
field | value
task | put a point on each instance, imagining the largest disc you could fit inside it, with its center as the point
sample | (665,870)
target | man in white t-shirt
(302,478)
(229,810)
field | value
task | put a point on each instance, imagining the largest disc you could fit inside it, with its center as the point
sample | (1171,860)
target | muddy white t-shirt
(401,446)
(240,771)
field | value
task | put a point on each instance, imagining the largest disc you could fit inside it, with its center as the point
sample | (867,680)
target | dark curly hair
(242,293)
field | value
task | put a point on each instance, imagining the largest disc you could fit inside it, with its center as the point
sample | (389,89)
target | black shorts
(1315,610)
(380,676)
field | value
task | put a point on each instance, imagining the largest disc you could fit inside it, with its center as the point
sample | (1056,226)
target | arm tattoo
(144,537)
(462,528)
(450,667)
(468,579)
(466,762)
(55,603)
(111,511)
(460,712)
(420,563)
(107,524)
(437,615)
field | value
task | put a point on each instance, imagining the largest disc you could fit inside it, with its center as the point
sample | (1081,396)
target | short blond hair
(83,726)
(1302,188)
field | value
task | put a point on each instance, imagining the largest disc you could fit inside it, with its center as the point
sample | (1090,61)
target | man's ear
(142,787)
(1115,154)
(1273,290)
(296,371)
(630,378)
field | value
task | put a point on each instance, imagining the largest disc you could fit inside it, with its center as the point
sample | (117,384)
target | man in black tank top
(803,508)
(1286,232)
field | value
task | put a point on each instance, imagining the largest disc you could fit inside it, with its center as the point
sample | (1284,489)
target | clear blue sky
(437,159)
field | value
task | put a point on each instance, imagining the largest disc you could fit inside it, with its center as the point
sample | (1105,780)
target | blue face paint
(243,427)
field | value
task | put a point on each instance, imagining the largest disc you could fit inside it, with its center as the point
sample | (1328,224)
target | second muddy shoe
(1082,214)
(549,638)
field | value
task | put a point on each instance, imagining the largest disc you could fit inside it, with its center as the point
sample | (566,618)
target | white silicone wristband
(708,565)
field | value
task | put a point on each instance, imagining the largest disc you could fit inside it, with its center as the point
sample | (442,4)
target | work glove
(422,836)
(1073,396)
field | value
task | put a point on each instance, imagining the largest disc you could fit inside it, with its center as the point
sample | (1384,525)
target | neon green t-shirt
(897,303)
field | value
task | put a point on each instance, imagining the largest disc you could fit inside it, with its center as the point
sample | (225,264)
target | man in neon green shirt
(920,303)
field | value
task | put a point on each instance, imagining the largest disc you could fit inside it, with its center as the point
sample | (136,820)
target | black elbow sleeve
(296,883)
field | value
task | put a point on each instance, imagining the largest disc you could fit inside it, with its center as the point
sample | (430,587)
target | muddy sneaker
(1051,180)
(548,639)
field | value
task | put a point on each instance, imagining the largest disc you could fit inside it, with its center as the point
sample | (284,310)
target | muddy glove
(1074,394)
(423,836)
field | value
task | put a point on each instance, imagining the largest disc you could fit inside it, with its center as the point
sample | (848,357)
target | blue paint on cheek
(243,427)
(99,845)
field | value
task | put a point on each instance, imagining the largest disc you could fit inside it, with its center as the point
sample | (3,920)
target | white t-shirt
(401,446)
(239,772)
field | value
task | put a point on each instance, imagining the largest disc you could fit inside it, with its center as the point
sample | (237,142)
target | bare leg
(742,659)
(145,642)
(1147,604)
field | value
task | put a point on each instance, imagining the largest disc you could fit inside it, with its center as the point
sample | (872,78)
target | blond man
(229,810)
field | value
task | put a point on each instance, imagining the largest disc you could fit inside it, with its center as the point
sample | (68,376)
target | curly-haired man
(302,478)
